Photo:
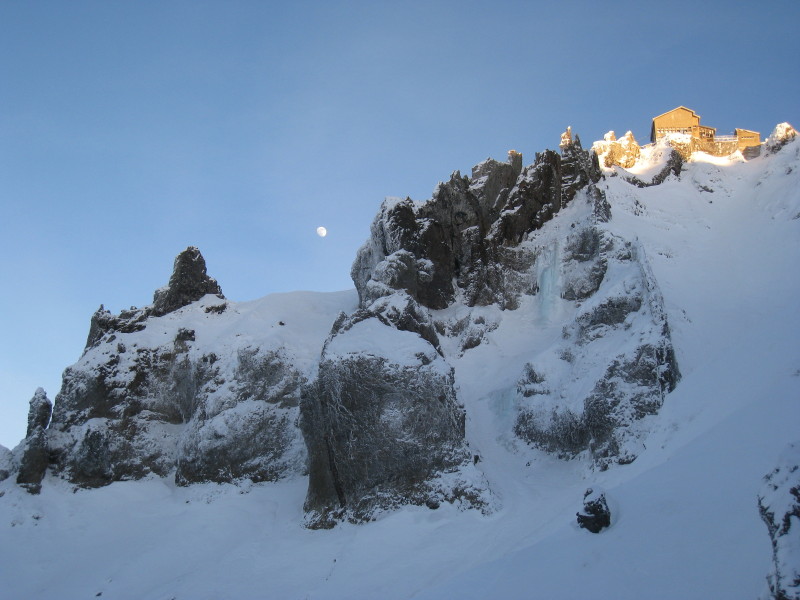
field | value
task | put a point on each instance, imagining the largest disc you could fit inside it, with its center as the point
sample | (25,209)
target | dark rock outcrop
(779,506)
(127,321)
(579,168)
(34,450)
(34,461)
(585,263)
(6,463)
(381,421)
(189,282)
(380,429)
(39,412)
(465,241)
(137,405)
(595,515)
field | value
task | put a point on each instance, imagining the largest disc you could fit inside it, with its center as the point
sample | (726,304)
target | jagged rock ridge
(464,243)
(188,283)
(476,243)
(590,311)
(375,414)
(146,397)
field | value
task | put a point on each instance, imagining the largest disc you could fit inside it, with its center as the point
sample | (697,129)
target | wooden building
(680,120)
(746,138)
(686,121)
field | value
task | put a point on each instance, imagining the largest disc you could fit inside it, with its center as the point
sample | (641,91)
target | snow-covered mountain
(530,343)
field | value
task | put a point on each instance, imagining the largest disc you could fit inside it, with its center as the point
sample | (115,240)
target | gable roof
(694,114)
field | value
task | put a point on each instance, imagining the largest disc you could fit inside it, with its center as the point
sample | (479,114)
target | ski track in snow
(684,518)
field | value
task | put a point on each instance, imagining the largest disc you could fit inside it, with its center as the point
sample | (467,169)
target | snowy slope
(686,524)
(685,521)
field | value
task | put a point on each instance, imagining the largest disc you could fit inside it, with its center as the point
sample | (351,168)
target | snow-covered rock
(195,386)
(476,243)
(39,412)
(487,241)
(382,421)
(5,463)
(614,363)
(595,515)
(652,164)
(188,283)
(514,333)
(780,136)
(33,453)
(463,245)
(611,151)
(779,506)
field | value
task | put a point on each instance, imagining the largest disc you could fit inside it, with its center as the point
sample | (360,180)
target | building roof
(677,108)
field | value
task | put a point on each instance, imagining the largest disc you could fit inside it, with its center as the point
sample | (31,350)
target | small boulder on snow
(595,515)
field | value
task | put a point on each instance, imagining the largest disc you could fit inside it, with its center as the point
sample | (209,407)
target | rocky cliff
(368,402)
(779,506)
(193,386)
(491,377)
(392,424)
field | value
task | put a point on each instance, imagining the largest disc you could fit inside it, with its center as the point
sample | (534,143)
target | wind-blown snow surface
(685,520)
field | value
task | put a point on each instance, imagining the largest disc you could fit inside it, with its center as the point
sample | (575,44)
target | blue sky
(130,130)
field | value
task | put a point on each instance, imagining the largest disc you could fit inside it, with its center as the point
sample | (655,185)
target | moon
(322,232)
